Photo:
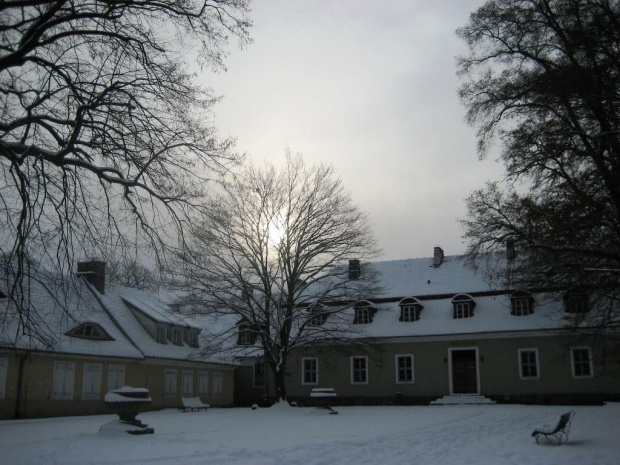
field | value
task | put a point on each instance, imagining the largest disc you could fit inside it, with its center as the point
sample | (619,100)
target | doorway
(464,374)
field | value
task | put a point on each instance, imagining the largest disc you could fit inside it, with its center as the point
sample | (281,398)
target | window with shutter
(63,380)
(91,381)
(188,384)
(170,383)
(116,377)
(203,383)
(218,384)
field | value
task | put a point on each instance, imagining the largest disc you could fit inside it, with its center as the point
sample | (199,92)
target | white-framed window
(218,384)
(170,383)
(521,307)
(463,310)
(409,313)
(359,370)
(4,366)
(116,377)
(522,303)
(259,374)
(203,383)
(318,315)
(528,364)
(187,383)
(363,316)
(64,375)
(310,371)
(581,362)
(91,381)
(404,369)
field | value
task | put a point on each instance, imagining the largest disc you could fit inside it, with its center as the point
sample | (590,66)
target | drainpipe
(20,383)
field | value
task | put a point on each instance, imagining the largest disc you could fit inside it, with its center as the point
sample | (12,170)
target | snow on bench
(193,403)
(558,429)
(323,392)
(323,398)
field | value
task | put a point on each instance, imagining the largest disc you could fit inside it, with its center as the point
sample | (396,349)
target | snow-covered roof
(418,277)
(157,310)
(64,304)
(117,300)
(492,314)
(435,289)
(61,306)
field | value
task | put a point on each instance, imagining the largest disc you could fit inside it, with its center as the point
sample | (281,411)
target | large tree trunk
(280,388)
(278,380)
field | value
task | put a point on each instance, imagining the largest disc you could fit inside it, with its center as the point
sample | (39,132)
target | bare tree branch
(105,139)
(271,261)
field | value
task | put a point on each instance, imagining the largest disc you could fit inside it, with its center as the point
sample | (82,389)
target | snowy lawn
(486,434)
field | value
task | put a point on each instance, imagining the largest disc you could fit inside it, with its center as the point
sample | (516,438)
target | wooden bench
(558,429)
(323,398)
(193,403)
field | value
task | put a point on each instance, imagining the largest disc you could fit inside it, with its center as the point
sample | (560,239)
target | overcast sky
(369,87)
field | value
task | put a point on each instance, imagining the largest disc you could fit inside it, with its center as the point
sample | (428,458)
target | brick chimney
(437,256)
(94,273)
(354,269)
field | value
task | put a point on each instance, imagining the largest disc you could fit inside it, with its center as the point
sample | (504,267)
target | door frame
(450,373)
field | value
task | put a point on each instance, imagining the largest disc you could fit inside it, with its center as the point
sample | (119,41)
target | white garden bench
(558,429)
(323,398)
(193,403)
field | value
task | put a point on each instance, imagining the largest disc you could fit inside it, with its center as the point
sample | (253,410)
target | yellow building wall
(37,400)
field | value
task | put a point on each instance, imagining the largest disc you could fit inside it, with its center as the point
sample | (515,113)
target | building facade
(97,338)
(441,329)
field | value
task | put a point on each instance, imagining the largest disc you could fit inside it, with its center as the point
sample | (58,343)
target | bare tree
(271,263)
(544,76)
(129,272)
(105,135)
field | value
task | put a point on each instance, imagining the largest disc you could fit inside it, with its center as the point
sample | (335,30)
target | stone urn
(127,402)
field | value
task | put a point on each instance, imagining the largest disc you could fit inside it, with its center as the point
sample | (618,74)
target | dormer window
(576,303)
(160,335)
(318,315)
(177,336)
(193,338)
(364,312)
(463,306)
(247,333)
(410,309)
(245,337)
(522,303)
(90,331)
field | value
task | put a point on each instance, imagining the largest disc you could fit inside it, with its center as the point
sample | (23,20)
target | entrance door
(464,372)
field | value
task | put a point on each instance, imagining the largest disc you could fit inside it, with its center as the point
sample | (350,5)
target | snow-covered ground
(487,434)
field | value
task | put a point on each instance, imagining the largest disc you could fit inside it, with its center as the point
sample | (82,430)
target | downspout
(20,383)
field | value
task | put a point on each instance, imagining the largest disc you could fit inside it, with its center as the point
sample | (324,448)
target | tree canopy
(543,77)
(105,134)
(272,260)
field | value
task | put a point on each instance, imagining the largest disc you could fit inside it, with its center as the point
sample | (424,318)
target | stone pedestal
(127,402)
